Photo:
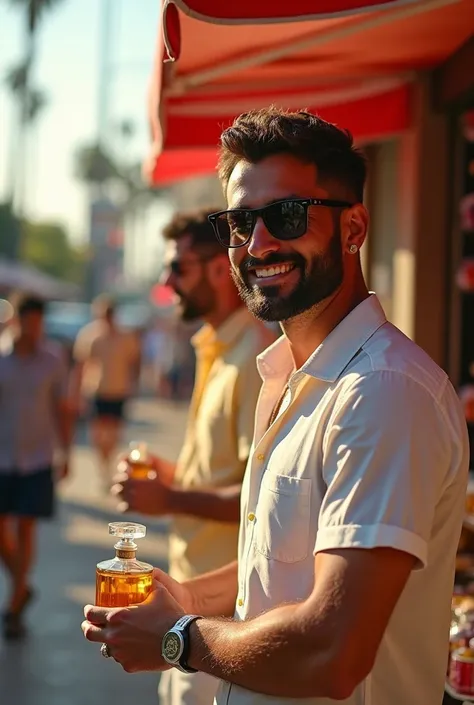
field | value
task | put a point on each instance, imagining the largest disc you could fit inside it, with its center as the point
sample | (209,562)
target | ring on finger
(105,651)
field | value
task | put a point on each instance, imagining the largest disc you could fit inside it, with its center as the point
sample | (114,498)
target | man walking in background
(108,361)
(33,416)
(203,490)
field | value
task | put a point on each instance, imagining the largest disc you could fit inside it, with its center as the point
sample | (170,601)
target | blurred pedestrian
(34,417)
(107,361)
(203,490)
(354,493)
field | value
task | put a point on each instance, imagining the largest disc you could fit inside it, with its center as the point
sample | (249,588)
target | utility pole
(103,96)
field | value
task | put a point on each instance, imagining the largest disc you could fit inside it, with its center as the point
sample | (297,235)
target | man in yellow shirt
(202,491)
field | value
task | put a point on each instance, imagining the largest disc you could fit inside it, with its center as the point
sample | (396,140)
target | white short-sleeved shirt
(370,449)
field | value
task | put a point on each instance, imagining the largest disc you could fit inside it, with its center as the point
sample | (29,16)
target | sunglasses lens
(287,220)
(234,227)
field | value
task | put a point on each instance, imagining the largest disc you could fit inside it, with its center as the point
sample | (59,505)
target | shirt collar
(224,337)
(335,352)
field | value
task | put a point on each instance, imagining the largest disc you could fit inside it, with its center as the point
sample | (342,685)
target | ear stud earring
(353,249)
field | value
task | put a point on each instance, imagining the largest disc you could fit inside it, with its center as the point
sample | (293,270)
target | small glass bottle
(123,581)
(139,460)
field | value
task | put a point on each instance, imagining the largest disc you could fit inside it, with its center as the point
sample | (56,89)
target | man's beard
(319,279)
(189,311)
(198,303)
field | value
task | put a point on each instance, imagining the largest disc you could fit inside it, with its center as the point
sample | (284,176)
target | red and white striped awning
(354,66)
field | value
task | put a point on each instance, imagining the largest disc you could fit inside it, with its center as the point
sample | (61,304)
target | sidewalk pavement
(55,665)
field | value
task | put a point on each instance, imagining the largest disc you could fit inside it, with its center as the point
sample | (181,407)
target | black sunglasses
(178,266)
(285,220)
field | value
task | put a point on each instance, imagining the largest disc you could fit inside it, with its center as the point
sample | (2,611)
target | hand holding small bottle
(139,463)
(152,497)
(143,483)
(134,634)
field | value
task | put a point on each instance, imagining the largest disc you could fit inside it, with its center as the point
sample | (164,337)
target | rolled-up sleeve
(386,455)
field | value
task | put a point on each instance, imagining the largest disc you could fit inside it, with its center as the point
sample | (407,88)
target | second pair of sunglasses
(286,220)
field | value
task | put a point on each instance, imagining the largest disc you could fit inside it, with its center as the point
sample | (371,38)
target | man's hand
(134,634)
(163,469)
(150,496)
(181,592)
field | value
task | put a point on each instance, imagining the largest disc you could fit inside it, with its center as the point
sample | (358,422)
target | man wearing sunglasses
(354,491)
(203,490)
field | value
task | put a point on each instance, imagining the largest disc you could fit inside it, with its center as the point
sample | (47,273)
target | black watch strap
(183,625)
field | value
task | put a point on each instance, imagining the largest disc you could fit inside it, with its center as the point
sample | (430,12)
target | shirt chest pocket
(283,518)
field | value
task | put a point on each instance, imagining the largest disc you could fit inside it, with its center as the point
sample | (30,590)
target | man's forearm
(215,593)
(219,504)
(275,654)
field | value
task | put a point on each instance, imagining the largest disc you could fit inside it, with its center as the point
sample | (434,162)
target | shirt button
(251,517)
(240,602)
(260,456)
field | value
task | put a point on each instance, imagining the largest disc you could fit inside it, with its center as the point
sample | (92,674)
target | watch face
(172,647)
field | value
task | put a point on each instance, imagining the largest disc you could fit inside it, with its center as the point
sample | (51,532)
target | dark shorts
(114,408)
(29,495)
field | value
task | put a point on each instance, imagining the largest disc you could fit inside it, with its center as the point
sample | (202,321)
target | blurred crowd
(167,358)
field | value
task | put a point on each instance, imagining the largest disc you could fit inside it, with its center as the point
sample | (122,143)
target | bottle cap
(127,530)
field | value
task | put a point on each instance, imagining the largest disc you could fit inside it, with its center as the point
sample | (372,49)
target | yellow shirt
(218,437)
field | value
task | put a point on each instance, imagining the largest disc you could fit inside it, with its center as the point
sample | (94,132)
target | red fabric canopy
(262,11)
(354,70)
(277,10)
(191,141)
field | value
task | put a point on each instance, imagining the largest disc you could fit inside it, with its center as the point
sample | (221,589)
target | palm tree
(30,99)
(29,102)
(33,11)
(33,100)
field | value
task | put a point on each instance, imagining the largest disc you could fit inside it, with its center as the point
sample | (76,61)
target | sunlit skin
(283,176)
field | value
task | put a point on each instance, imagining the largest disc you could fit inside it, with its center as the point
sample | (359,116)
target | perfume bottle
(123,580)
(139,461)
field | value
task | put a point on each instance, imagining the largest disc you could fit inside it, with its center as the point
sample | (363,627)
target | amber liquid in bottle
(139,461)
(123,580)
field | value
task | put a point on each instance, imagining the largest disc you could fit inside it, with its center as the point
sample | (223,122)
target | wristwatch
(175,644)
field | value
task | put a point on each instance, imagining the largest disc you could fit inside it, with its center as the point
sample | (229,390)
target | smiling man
(354,491)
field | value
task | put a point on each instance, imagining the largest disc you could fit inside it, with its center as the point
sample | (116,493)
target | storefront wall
(382,204)
(407,257)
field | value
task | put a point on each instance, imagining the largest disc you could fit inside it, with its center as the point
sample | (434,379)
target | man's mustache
(272,260)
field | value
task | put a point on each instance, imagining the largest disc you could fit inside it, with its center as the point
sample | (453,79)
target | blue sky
(68,51)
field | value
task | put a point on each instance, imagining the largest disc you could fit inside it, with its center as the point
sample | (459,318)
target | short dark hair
(30,304)
(263,133)
(196,225)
